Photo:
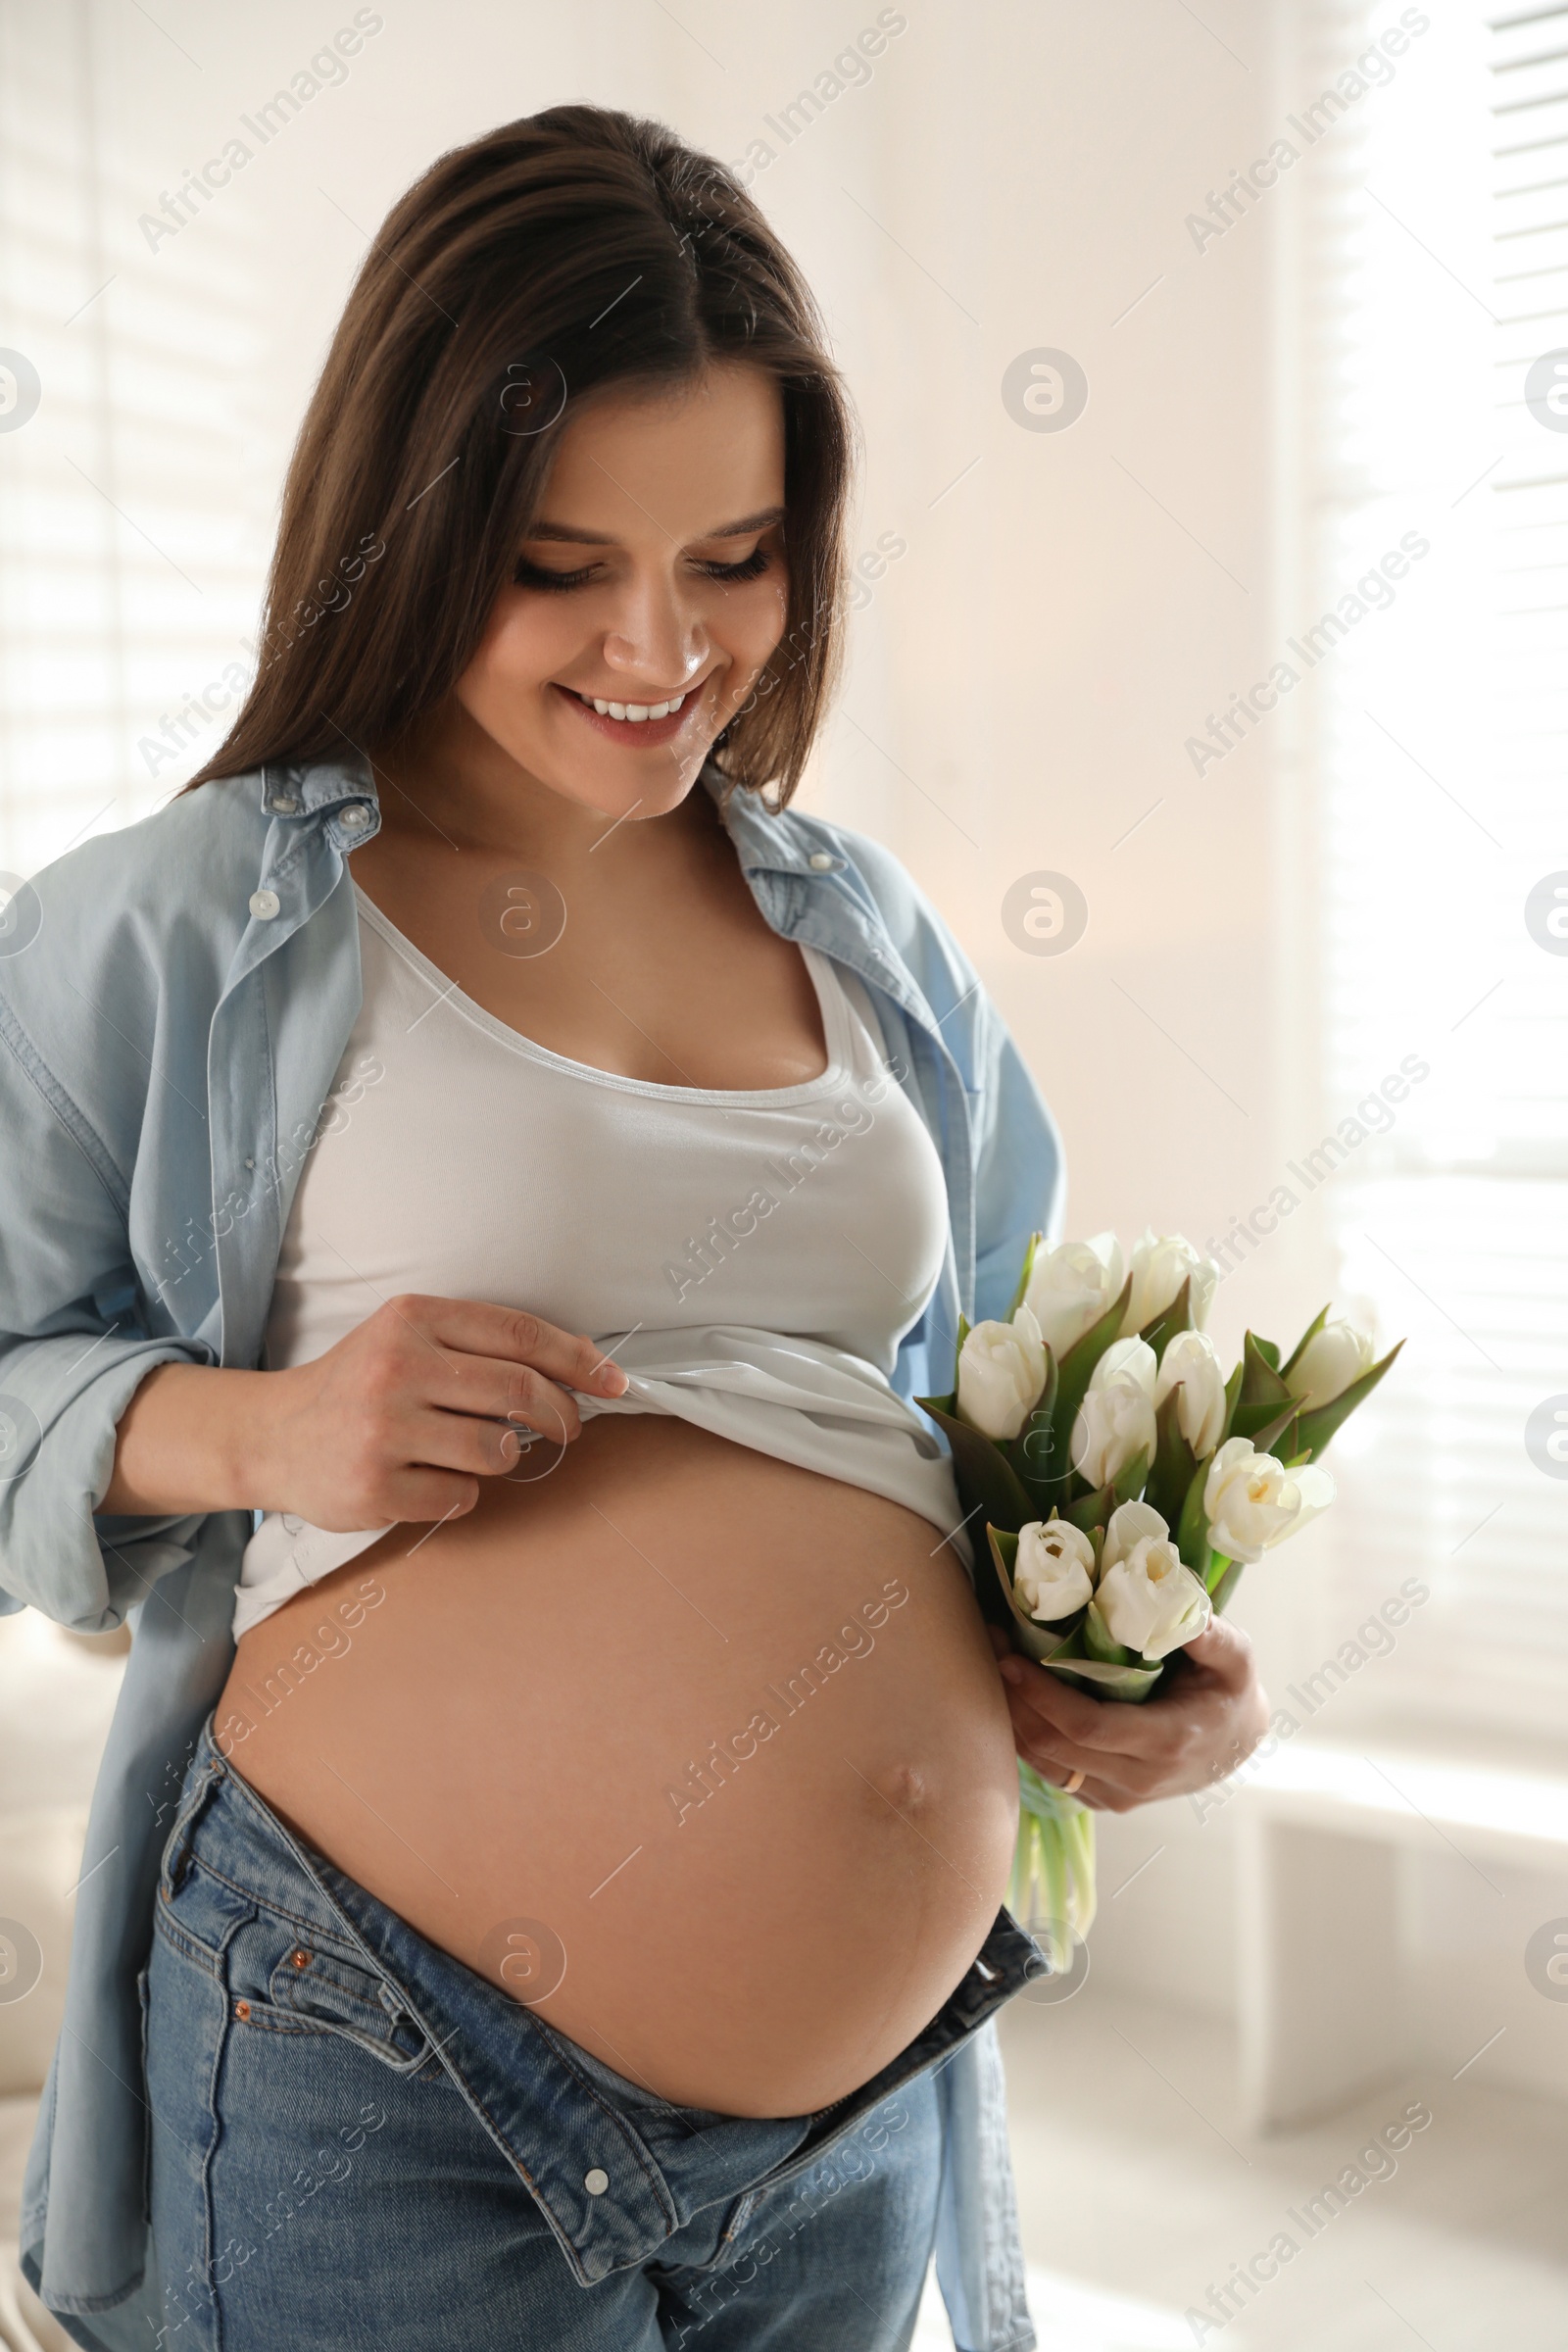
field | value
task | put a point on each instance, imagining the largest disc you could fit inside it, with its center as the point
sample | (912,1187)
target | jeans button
(596,2182)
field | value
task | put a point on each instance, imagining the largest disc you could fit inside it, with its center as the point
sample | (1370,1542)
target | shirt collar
(304,788)
(766,840)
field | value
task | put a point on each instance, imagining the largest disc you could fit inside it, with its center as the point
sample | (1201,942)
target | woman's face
(654,576)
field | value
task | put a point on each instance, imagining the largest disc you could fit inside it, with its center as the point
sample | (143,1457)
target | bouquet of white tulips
(1124,1482)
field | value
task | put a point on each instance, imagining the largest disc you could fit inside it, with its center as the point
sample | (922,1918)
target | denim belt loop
(202,1778)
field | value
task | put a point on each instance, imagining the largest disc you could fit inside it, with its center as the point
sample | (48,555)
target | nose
(660,641)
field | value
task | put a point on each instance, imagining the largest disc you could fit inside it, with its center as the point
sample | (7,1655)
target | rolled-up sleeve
(74,1349)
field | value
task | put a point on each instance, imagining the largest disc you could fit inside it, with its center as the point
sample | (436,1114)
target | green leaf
(1233,1394)
(1278,1436)
(1226,1583)
(1090,1511)
(1178,1316)
(1073,1374)
(1259,1424)
(1129,1481)
(1316,1427)
(986,1478)
(1035,1239)
(1192,1529)
(1131,1685)
(1173,1465)
(1031,1453)
(1078,1364)
(1310,1332)
(1097,1642)
(1269,1350)
(1260,1382)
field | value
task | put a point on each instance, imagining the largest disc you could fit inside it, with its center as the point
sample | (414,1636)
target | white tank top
(751,1258)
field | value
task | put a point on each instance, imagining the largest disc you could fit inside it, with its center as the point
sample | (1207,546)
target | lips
(639,734)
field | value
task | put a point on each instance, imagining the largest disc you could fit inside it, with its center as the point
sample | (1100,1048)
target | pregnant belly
(702,1755)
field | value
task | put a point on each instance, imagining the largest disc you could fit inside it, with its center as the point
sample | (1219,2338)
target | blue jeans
(361,2146)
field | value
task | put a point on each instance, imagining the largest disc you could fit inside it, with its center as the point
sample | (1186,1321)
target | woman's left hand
(1205,1720)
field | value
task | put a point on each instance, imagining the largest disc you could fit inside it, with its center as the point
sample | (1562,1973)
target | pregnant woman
(482,1184)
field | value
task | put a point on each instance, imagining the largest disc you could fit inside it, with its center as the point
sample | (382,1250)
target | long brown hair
(569,250)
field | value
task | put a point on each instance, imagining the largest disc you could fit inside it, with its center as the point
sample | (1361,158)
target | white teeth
(637,713)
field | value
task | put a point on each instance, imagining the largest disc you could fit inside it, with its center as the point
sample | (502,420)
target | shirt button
(284,806)
(264,904)
(356,818)
(596,2182)
(819,862)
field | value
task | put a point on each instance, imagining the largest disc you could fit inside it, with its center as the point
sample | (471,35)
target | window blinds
(1433,291)
(133,498)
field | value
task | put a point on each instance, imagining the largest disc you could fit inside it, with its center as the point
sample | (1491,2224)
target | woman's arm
(400,1420)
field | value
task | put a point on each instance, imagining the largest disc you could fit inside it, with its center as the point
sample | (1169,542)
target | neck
(449,777)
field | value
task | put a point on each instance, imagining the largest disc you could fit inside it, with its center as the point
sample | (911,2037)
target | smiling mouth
(635,713)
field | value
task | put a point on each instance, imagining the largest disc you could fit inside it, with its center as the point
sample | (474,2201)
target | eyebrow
(724,530)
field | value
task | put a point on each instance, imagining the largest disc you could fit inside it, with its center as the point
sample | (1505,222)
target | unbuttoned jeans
(361,2146)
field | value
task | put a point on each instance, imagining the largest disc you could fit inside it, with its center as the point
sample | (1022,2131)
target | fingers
(406,1495)
(1114,1778)
(1098,1726)
(1204,1722)
(510,1335)
(1109,1783)
(431,1494)
(458,1385)
(1224,1650)
(479,1448)
(497,1364)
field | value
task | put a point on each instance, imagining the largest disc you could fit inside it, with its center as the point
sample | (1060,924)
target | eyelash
(530,575)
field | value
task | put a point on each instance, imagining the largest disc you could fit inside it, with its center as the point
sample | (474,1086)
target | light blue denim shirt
(175,1001)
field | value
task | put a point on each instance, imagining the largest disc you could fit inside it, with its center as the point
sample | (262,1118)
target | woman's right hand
(399,1421)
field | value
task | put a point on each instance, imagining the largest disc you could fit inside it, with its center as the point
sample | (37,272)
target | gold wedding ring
(1074,1784)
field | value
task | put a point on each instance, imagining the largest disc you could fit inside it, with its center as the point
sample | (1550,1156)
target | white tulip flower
(1072,1286)
(1252,1503)
(1147,1598)
(1132,1358)
(1190,1366)
(1002,1372)
(1159,1268)
(1053,1573)
(1331,1359)
(1114,1422)
(1130,1523)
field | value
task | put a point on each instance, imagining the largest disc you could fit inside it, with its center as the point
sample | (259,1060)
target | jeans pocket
(286,1977)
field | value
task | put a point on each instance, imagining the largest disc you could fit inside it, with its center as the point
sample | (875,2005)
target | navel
(905,1786)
